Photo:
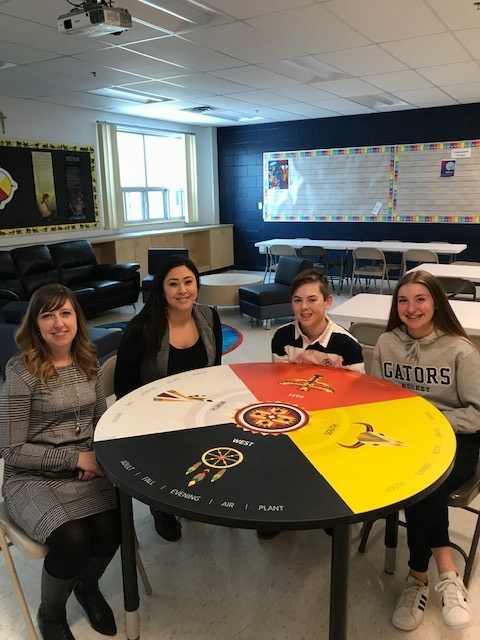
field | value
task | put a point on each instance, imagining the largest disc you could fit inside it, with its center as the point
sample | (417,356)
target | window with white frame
(155,173)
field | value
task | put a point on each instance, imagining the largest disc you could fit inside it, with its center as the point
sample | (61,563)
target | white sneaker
(456,610)
(410,607)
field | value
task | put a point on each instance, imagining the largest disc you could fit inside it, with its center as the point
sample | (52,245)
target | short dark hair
(444,317)
(306,277)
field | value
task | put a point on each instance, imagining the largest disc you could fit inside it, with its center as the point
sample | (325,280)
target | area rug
(231,337)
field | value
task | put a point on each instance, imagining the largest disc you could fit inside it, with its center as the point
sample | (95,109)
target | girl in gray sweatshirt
(426,350)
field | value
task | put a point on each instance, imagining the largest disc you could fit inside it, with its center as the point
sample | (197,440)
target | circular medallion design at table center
(271,418)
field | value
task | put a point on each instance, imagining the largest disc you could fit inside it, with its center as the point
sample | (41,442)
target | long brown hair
(36,355)
(443,317)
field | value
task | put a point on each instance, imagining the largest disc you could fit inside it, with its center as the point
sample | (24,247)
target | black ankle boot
(90,597)
(97,609)
(167,525)
(52,617)
(54,629)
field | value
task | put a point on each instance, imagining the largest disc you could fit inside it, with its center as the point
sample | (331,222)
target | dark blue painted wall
(240,160)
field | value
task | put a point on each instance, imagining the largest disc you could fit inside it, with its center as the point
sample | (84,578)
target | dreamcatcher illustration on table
(219,459)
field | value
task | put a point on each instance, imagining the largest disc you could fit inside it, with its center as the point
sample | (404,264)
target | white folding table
(372,307)
(452,270)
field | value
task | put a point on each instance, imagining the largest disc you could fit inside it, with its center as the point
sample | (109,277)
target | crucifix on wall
(2,120)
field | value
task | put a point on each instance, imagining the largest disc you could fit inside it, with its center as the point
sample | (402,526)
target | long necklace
(76,410)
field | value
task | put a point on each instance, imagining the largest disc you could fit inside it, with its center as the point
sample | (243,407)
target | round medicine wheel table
(272,446)
(221,289)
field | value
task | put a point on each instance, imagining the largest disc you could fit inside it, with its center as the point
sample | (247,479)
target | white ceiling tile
(428,51)
(45,13)
(256,77)
(207,82)
(310,111)
(459,73)
(303,69)
(303,92)
(346,88)
(19,54)
(384,20)
(464,92)
(244,42)
(470,39)
(312,28)
(125,60)
(362,61)
(426,97)
(166,90)
(28,82)
(177,49)
(455,14)
(250,8)
(86,100)
(264,98)
(402,80)
(99,75)
(343,106)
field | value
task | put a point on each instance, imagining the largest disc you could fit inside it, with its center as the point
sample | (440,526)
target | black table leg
(129,568)
(391,539)
(339,583)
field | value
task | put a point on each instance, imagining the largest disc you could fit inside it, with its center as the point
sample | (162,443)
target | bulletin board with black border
(46,187)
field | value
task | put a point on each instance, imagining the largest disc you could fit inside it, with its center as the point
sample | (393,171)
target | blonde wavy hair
(35,352)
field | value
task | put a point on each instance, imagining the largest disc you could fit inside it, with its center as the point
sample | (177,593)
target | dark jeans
(427,520)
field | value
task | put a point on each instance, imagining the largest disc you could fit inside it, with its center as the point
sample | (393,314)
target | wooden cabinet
(208,247)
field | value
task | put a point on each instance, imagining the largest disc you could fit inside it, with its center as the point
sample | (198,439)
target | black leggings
(427,520)
(75,542)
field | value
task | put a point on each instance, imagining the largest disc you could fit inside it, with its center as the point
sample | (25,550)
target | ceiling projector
(95,19)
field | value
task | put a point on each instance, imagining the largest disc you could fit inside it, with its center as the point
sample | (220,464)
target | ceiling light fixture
(150,25)
(130,96)
(195,13)
(316,68)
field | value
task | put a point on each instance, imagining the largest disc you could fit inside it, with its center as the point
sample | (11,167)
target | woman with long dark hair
(171,334)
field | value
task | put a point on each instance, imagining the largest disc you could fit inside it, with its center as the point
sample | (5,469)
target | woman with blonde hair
(54,489)
(425,349)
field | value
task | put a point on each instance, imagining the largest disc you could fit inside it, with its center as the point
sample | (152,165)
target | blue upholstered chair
(269,300)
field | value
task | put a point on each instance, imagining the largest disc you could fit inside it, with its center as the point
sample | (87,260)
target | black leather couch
(98,287)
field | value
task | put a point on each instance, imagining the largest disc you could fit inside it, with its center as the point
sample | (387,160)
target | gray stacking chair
(274,253)
(369,263)
(458,288)
(413,257)
(12,535)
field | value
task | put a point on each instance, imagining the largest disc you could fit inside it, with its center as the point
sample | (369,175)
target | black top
(180,360)
(131,351)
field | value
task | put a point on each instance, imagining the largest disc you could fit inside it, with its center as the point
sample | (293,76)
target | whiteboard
(428,182)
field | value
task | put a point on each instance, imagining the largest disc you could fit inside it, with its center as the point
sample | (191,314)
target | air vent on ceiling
(200,109)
